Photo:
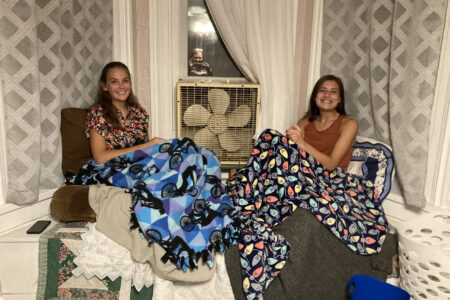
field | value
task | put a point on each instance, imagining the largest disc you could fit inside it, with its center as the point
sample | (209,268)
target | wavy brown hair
(314,111)
(104,99)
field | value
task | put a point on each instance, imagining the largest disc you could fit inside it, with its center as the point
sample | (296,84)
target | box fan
(219,116)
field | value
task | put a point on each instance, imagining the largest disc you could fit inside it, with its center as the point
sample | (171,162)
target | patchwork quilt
(177,198)
(58,248)
(278,178)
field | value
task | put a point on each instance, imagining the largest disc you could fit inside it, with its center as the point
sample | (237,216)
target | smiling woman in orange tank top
(325,131)
(312,174)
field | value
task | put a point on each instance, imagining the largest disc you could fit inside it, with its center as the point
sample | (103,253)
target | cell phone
(38,226)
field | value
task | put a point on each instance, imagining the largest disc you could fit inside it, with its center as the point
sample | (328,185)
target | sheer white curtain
(260,35)
(165,19)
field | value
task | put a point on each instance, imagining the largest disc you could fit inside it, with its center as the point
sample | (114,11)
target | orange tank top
(325,140)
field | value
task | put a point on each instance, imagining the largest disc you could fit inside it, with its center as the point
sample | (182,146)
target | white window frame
(123,33)
(437,191)
(316,46)
(437,184)
(3,165)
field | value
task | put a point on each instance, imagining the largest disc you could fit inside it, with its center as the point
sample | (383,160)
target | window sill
(12,216)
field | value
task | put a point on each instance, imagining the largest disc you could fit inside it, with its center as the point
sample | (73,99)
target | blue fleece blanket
(178,199)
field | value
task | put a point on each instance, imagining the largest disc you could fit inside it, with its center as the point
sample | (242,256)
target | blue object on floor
(363,287)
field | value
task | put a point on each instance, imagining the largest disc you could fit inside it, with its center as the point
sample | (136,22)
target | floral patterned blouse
(134,132)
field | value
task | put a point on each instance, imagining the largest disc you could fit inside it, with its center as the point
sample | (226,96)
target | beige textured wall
(141,54)
(302,52)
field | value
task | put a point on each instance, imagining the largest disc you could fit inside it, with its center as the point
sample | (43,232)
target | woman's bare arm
(102,155)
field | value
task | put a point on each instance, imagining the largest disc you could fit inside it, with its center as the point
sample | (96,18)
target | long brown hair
(313,111)
(104,99)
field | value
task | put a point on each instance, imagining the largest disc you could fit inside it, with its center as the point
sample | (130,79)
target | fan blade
(196,115)
(240,116)
(204,138)
(218,100)
(247,142)
(230,141)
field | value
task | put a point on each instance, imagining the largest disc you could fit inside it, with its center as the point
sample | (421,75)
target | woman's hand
(102,155)
(346,139)
(295,133)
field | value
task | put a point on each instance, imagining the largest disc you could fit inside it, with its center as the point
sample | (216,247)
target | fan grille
(233,121)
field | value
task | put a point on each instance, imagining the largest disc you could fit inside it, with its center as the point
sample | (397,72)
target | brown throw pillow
(71,203)
(76,150)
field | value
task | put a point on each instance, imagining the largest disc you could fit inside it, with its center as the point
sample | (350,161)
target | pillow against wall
(70,202)
(373,160)
(76,150)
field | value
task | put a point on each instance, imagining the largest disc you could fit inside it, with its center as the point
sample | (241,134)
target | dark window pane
(207,55)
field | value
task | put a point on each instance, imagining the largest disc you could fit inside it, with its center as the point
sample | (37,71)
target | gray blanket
(319,265)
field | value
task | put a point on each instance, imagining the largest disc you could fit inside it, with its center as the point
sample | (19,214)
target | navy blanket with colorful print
(178,199)
(278,178)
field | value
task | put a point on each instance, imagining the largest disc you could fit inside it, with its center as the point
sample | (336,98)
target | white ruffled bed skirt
(102,257)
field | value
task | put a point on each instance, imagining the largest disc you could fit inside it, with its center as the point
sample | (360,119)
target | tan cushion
(71,203)
(76,150)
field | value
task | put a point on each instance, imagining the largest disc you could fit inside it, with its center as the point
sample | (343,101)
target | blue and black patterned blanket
(178,199)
